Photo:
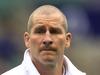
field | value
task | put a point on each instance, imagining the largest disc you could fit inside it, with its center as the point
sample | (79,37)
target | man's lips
(48,49)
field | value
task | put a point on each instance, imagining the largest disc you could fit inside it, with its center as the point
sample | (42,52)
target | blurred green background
(84,24)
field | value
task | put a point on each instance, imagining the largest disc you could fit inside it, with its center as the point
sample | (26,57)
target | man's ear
(27,39)
(68,39)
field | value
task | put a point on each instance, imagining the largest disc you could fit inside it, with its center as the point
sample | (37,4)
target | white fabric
(28,68)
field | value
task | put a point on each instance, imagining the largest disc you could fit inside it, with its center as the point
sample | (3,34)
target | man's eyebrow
(55,30)
(39,29)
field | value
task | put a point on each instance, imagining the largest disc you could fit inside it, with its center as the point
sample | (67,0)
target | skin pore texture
(47,38)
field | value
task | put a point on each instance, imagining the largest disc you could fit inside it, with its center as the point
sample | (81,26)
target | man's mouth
(48,49)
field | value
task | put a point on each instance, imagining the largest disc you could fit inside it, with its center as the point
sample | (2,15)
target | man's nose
(47,41)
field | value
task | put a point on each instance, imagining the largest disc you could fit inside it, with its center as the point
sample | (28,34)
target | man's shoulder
(15,71)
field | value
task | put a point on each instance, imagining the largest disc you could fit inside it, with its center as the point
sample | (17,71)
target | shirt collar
(29,66)
(70,68)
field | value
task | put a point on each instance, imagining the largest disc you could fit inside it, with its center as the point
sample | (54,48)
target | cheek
(34,41)
(34,45)
(60,40)
(60,43)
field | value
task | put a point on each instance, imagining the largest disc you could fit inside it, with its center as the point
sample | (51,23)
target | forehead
(48,19)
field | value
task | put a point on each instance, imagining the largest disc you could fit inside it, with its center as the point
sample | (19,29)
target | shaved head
(47,11)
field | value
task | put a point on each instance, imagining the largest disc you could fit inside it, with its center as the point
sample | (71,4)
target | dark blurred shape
(94,17)
(7,49)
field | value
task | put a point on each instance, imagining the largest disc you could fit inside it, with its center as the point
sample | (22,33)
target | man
(46,38)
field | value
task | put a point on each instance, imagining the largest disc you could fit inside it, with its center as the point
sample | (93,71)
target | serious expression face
(47,38)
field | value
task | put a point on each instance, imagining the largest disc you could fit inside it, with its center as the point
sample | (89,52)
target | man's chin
(49,63)
(49,60)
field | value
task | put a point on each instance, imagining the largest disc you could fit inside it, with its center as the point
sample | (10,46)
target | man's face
(47,39)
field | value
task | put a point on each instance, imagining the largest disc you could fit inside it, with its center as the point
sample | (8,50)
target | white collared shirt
(28,68)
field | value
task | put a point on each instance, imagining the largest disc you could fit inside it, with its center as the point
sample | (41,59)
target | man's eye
(55,31)
(40,30)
